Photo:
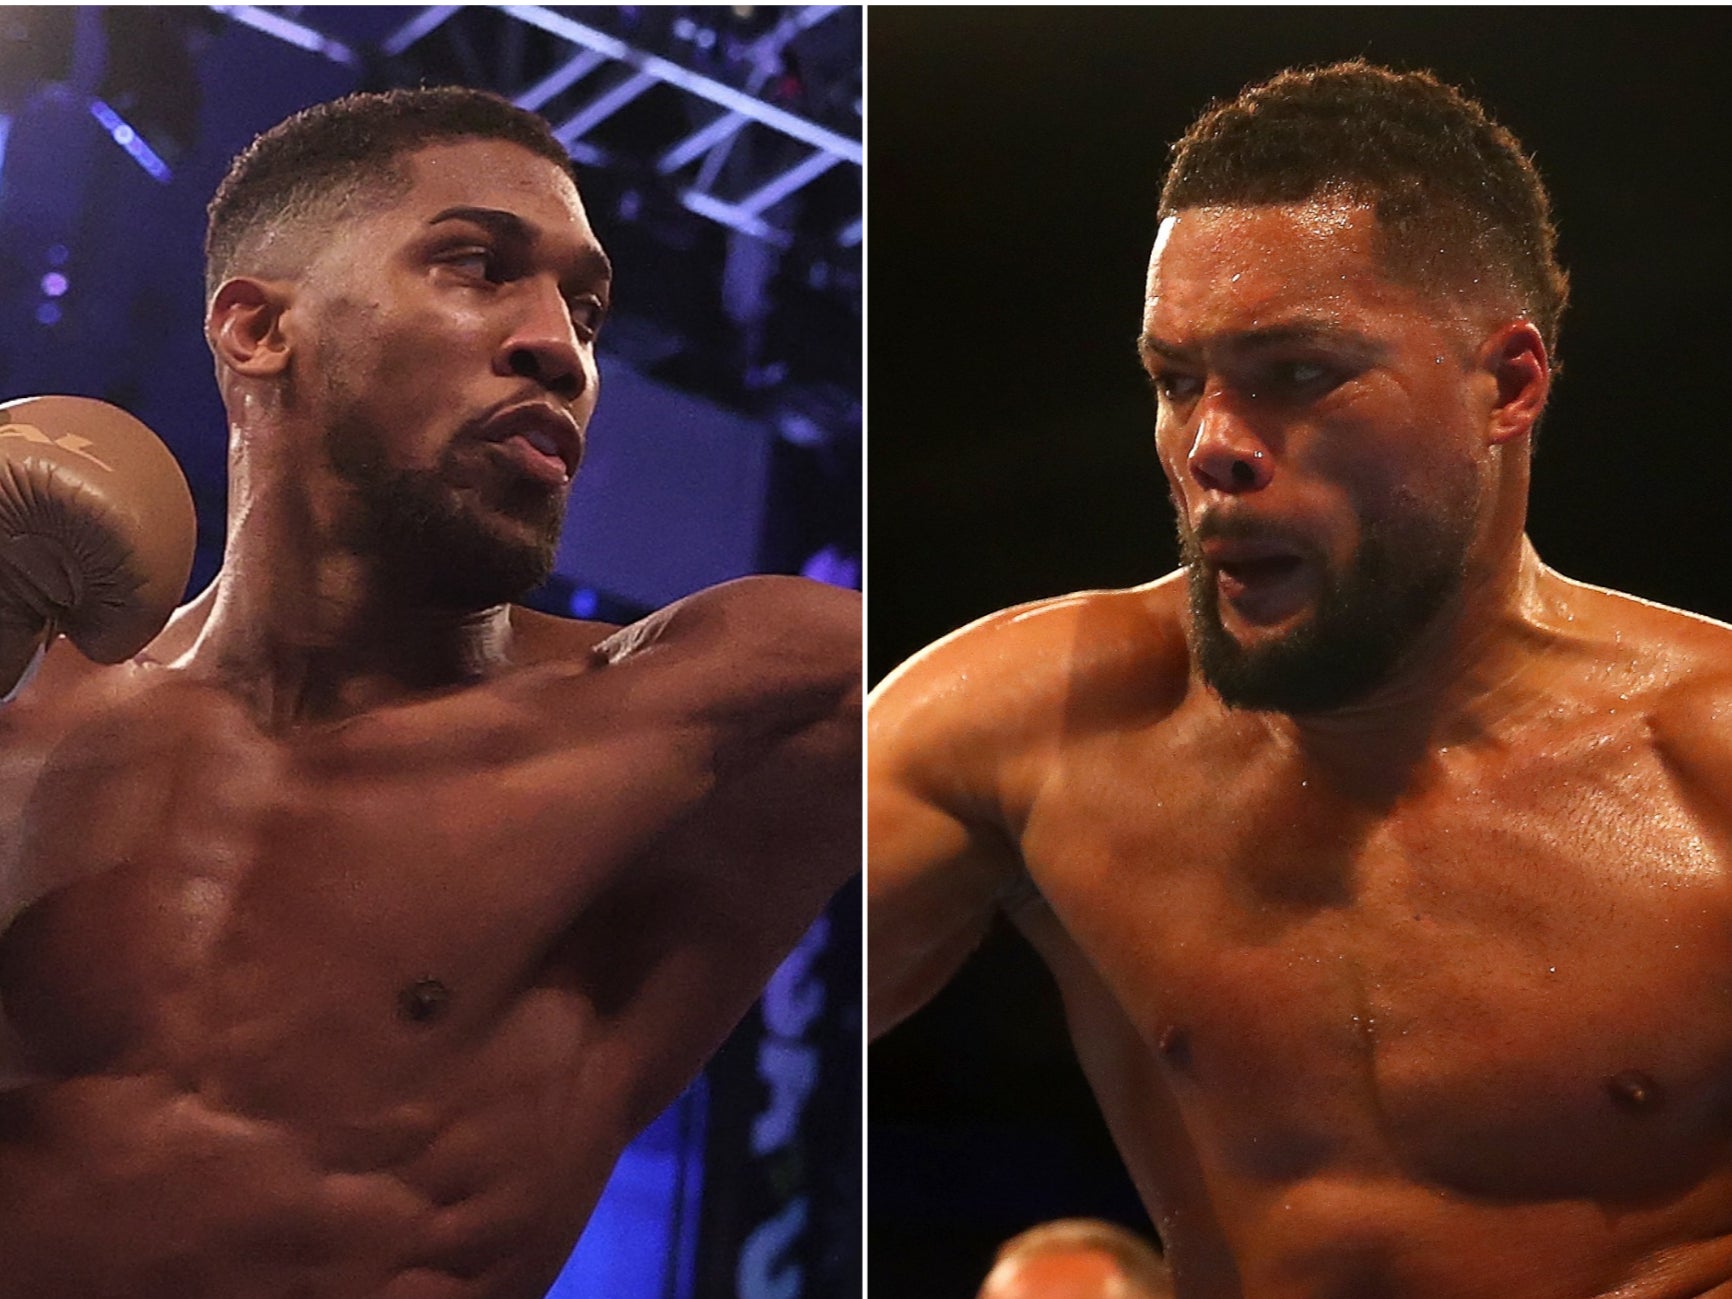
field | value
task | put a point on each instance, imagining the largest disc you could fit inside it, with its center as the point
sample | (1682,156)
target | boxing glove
(96,532)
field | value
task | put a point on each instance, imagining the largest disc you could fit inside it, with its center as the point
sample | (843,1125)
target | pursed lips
(546,432)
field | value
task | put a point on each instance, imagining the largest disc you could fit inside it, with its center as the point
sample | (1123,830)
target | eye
(587,314)
(1298,380)
(473,262)
(1175,385)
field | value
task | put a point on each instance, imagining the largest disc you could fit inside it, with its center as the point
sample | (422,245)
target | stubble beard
(1364,620)
(457,548)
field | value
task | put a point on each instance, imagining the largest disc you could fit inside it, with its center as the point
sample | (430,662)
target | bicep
(934,881)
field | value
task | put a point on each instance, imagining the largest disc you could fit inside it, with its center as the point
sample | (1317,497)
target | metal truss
(734,156)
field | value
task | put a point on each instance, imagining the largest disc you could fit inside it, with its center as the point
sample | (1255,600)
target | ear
(1514,356)
(244,326)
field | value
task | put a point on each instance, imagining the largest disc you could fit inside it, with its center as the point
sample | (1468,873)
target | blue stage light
(131,141)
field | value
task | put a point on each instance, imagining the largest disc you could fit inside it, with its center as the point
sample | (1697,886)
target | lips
(543,440)
(1262,580)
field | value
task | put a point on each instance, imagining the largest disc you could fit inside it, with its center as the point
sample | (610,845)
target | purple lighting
(131,141)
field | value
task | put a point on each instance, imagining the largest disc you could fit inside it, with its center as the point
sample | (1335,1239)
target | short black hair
(330,152)
(1454,193)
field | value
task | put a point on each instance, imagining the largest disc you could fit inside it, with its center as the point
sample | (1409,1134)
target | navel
(423,1001)
(1635,1091)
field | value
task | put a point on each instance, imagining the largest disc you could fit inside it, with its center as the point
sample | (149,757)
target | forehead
(1221,270)
(493,174)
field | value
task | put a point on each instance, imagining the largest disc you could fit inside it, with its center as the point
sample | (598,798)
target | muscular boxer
(354,927)
(1077,1258)
(1383,870)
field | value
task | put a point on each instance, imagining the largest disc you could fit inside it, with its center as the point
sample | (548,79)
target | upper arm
(933,881)
(944,734)
(962,743)
(755,661)
(750,695)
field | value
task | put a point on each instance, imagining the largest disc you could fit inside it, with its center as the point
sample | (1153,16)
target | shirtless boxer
(358,923)
(1383,870)
(1077,1258)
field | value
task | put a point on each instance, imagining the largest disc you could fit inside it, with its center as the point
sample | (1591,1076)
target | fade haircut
(305,170)
(1457,201)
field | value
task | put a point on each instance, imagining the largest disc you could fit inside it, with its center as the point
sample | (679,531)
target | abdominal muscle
(472,1186)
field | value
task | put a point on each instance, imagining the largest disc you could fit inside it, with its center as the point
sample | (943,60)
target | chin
(1298,672)
(454,550)
(1366,614)
(470,563)
(1343,650)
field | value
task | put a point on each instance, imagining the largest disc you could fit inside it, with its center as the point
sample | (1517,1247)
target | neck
(304,627)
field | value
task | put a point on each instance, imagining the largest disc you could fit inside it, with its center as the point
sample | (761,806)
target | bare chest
(215,902)
(1502,984)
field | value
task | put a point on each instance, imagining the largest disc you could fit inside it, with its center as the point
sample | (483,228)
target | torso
(367,1008)
(1471,1038)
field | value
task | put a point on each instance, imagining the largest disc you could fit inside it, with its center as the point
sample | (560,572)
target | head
(1077,1258)
(404,293)
(1350,320)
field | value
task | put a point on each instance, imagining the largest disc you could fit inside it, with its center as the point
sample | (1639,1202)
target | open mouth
(1265,568)
(1261,584)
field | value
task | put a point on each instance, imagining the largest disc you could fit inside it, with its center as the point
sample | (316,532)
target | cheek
(1409,471)
(1173,450)
(591,392)
(350,333)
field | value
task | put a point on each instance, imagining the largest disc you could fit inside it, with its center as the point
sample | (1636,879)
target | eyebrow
(1151,347)
(590,259)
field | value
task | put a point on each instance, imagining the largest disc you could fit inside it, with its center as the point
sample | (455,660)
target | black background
(1015,156)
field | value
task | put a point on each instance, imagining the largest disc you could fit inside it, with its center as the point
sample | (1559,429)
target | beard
(1364,619)
(489,542)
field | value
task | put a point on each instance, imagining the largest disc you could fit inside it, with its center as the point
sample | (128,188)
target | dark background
(1015,160)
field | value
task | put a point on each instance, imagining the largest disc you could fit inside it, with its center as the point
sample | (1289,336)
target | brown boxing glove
(96,532)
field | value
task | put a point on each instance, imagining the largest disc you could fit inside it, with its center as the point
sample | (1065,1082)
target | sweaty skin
(347,941)
(1422,997)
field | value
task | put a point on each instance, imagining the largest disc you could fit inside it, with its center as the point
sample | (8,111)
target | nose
(543,347)
(1227,455)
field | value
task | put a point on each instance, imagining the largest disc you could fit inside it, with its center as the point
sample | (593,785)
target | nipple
(1634,1091)
(1175,1045)
(423,1000)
